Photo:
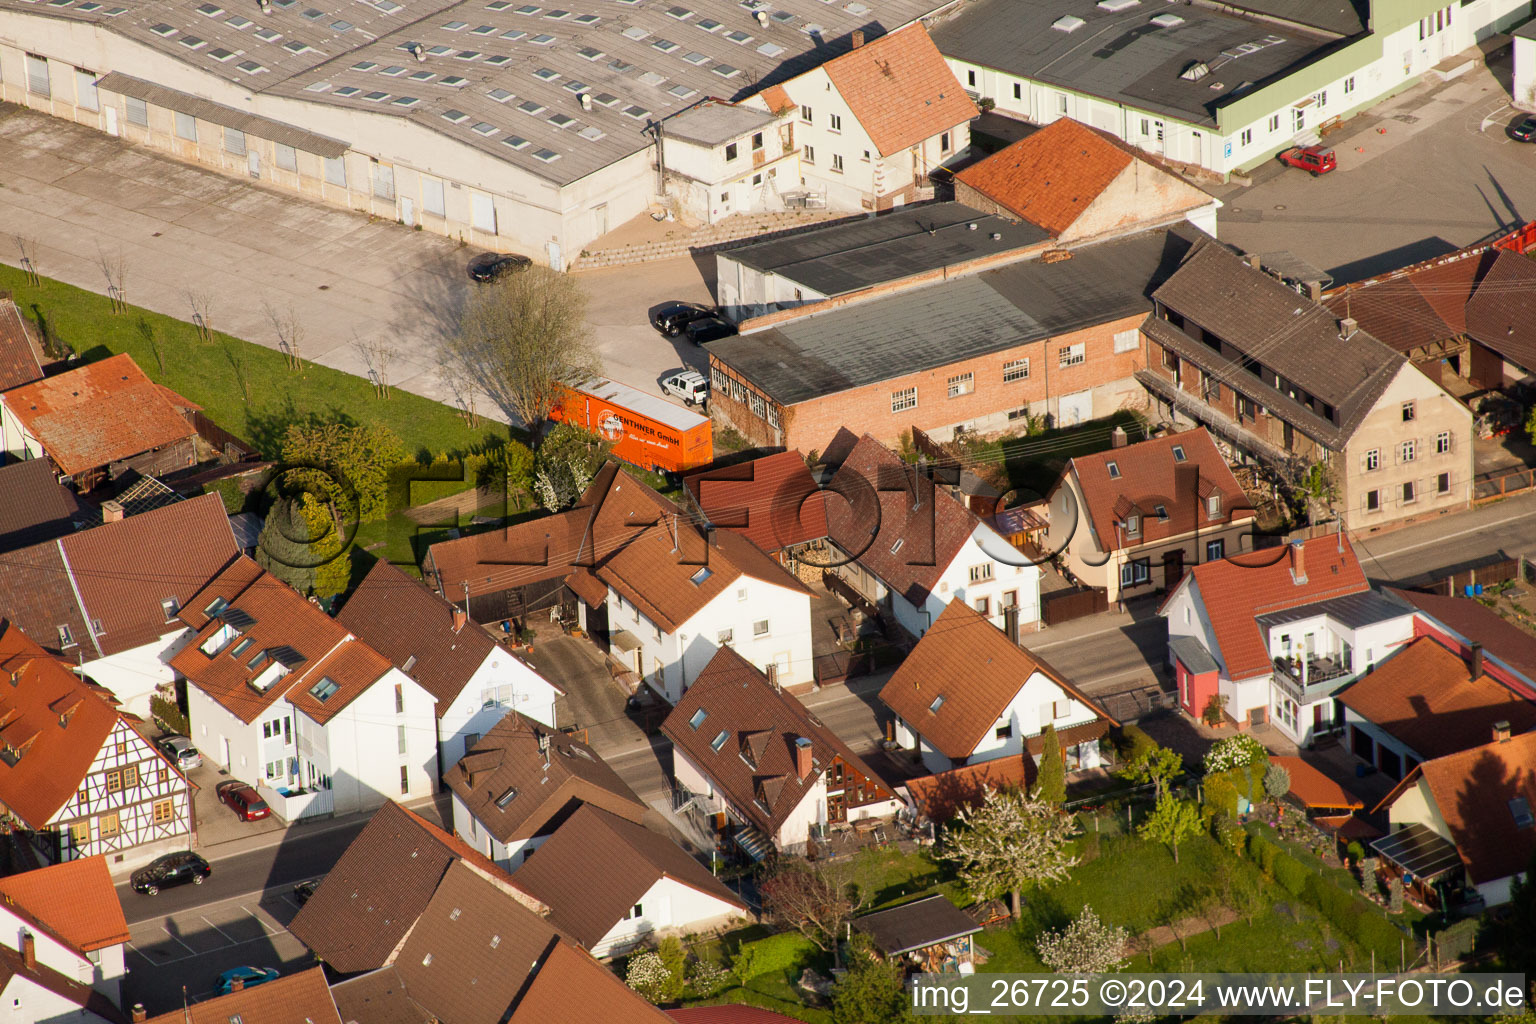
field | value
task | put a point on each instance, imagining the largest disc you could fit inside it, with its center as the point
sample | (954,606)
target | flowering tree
(648,975)
(1009,843)
(1234,752)
(1086,946)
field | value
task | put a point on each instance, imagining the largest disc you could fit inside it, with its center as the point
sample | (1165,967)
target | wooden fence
(231,447)
(1065,605)
(1458,584)
(1491,486)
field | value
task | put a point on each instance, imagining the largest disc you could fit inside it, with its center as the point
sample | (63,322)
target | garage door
(484,214)
(1076,408)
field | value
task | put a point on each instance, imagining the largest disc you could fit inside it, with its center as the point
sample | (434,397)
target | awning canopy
(752,842)
(624,640)
(1419,852)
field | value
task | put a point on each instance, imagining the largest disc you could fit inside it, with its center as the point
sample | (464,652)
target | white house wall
(139,838)
(363,742)
(478,707)
(27,1002)
(811,810)
(1029,712)
(50,952)
(667,906)
(134,674)
(984,547)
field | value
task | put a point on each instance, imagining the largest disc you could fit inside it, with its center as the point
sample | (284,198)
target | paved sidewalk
(437,809)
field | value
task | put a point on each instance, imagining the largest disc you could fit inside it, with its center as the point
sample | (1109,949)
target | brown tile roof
(1417,305)
(1424,697)
(289,630)
(730,1014)
(930,526)
(378,888)
(778,99)
(597,866)
(1052,176)
(378,997)
(1475,621)
(36,593)
(97,414)
(123,571)
(21,358)
(939,797)
(302,998)
(73,899)
(900,89)
(1312,787)
(973,665)
(1473,790)
(573,988)
(508,758)
(34,506)
(737,699)
(1237,589)
(1148,477)
(1501,311)
(627,536)
(472,951)
(407,623)
(77,993)
(772,501)
(35,691)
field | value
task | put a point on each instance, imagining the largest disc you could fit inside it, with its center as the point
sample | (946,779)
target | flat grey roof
(1353,610)
(1194,656)
(845,257)
(1526,31)
(1126,57)
(969,316)
(1344,17)
(218,113)
(503,76)
(713,123)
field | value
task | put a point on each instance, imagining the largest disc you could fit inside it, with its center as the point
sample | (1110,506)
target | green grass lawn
(1035,462)
(245,388)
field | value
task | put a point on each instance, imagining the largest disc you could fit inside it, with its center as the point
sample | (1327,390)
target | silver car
(181,752)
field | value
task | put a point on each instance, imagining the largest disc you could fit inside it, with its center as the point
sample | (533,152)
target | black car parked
(488,266)
(709,328)
(674,316)
(1524,130)
(171,870)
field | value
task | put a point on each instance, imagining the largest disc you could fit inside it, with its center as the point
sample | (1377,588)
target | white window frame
(1074,354)
(961,384)
(1373,460)
(1408,451)
(1127,341)
(1443,443)
(835,124)
(1015,369)
(904,399)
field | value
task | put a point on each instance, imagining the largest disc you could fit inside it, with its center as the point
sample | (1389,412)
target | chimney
(1475,669)
(802,757)
(1347,328)
(140,1015)
(1501,732)
(29,950)
(460,617)
(1117,438)
(1315,291)
(858,38)
(1011,622)
(111,511)
(1254,261)
(237,984)
(1298,562)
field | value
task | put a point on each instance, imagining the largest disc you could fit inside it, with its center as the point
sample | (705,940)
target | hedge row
(1345,910)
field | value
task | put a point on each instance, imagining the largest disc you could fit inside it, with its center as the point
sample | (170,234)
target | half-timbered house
(74,774)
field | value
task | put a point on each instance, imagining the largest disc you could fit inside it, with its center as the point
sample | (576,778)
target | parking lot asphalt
(191,948)
(1419,175)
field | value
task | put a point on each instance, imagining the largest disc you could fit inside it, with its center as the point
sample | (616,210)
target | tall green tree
(1051,783)
(283,546)
(1155,764)
(351,464)
(1009,843)
(1172,822)
(870,992)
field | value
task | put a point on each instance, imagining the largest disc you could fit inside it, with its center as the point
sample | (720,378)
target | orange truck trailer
(645,430)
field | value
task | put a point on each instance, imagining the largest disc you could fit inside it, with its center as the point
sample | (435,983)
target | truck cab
(689,385)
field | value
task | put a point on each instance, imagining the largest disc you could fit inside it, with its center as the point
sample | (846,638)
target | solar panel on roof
(238,618)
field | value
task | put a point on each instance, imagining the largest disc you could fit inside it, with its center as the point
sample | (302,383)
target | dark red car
(1313,159)
(244,800)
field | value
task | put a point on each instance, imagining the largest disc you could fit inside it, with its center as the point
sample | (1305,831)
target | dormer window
(1213,506)
(269,675)
(325,689)
(1162,512)
(506,798)
(1133,524)
(66,637)
(1114,470)
(703,573)
(219,639)
(1178,453)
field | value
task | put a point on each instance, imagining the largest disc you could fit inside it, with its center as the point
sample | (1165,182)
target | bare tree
(815,898)
(449,376)
(28,247)
(377,355)
(201,302)
(115,270)
(521,338)
(290,332)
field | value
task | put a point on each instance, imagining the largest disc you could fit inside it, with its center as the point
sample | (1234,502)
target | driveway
(1426,172)
(183,230)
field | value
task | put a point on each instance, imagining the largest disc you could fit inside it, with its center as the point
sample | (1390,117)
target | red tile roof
(941,796)
(925,525)
(738,700)
(1148,476)
(1472,790)
(302,998)
(772,501)
(1312,787)
(977,670)
(21,358)
(777,99)
(35,691)
(573,988)
(1417,305)
(1425,697)
(73,899)
(1241,587)
(1475,621)
(289,630)
(97,414)
(597,866)
(1500,312)
(1052,176)
(900,89)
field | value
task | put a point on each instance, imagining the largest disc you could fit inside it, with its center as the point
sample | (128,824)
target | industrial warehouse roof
(958,319)
(1136,55)
(503,76)
(861,253)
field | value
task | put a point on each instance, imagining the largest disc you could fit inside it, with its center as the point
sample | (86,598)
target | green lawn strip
(1035,462)
(219,374)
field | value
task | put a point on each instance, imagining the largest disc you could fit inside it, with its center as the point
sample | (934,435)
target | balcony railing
(1307,679)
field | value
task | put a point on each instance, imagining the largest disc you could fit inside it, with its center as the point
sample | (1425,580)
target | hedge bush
(1219,796)
(1262,852)
(170,715)
(784,954)
(1290,873)
(1134,741)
